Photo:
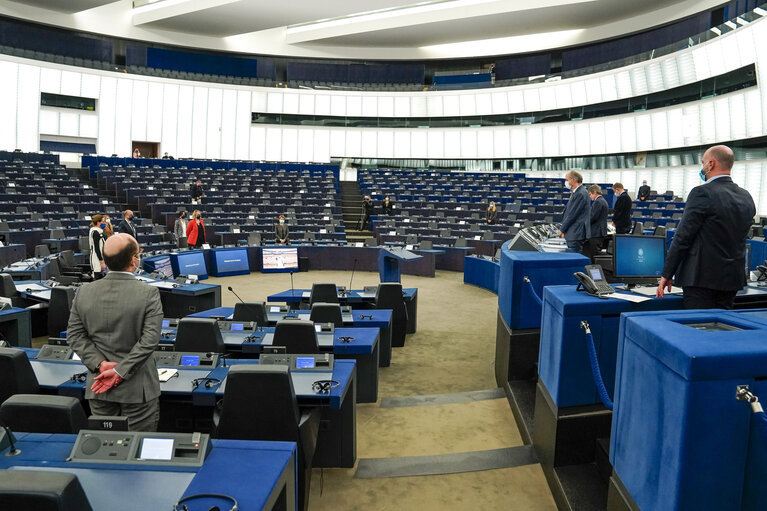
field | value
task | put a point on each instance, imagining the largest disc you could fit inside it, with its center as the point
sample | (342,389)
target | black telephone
(593,281)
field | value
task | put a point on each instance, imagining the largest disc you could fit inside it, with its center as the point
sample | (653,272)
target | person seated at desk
(196,192)
(195,230)
(388,206)
(179,229)
(492,214)
(644,191)
(281,231)
(96,244)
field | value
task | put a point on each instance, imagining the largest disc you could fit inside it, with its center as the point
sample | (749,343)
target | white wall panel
(628,135)
(402,143)
(638,81)
(550,146)
(369,106)
(338,106)
(28,108)
(691,125)
(337,143)
(534,141)
(138,110)
(306,104)
(184,128)
(548,100)
(401,106)
(467,105)
(89,126)
(385,106)
(385,144)
(259,101)
(289,145)
(675,120)
(322,105)
(242,127)
(213,135)
(468,143)
(354,106)
(8,92)
(90,86)
(612,133)
(578,91)
(290,103)
(582,137)
(563,97)
(451,106)
(597,136)
(368,143)
(737,116)
(418,106)
(518,142)
(593,90)
(754,109)
(50,80)
(707,123)
(321,142)
(452,141)
(70,83)
(608,87)
(702,66)
(567,138)
(123,117)
(154,118)
(353,143)
(659,129)
(419,144)
(228,120)
(106,110)
(516,99)
(485,141)
(501,143)
(169,142)
(69,124)
(532,100)
(258,142)
(199,122)
(274,102)
(273,143)
(484,104)
(670,73)
(623,84)
(644,132)
(49,122)
(500,102)
(436,144)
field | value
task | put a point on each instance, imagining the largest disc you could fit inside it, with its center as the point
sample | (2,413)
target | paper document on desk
(650,291)
(629,297)
(165,374)
(21,287)
(164,284)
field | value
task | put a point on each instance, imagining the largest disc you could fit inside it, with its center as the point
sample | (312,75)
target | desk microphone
(235,294)
(9,438)
(292,291)
(354,267)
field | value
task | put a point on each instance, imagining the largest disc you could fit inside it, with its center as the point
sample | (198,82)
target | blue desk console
(297,297)
(229,261)
(482,272)
(228,469)
(521,281)
(680,440)
(357,318)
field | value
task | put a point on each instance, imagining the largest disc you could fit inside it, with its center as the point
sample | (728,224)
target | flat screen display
(156,449)
(596,274)
(165,323)
(190,360)
(237,326)
(163,267)
(639,257)
(231,260)
(304,362)
(283,259)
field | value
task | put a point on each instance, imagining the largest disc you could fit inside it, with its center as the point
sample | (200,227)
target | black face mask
(198,217)
(183,215)
(130,218)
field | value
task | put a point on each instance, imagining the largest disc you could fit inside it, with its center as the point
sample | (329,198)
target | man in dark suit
(598,220)
(576,222)
(127,226)
(644,191)
(114,327)
(708,252)
(196,192)
(622,210)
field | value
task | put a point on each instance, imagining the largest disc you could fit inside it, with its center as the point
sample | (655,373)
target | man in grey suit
(576,222)
(114,327)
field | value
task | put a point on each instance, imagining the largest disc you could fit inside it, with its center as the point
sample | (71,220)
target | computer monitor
(283,259)
(163,267)
(638,259)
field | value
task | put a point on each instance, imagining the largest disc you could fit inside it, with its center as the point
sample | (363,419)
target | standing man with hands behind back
(708,252)
(576,222)
(114,327)
(127,226)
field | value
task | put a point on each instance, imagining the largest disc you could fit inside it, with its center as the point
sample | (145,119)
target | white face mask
(567,185)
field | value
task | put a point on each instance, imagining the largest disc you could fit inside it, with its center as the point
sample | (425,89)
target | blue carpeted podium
(390,263)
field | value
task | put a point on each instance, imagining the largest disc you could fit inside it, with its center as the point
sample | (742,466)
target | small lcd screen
(165,323)
(318,328)
(304,362)
(713,326)
(596,274)
(163,267)
(157,449)
(236,326)
(190,360)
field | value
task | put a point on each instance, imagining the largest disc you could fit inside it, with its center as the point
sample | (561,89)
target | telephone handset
(593,281)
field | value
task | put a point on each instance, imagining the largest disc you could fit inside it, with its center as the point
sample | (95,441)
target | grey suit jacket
(576,222)
(118,319)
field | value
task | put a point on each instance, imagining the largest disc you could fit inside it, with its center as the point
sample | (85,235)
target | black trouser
(623,230)
(593,247)
(704,298)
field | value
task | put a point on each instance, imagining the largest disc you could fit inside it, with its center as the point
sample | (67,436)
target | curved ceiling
(366,29)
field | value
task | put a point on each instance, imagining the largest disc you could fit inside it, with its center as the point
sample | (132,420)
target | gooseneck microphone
(354,267)
(10,440)
(235,294)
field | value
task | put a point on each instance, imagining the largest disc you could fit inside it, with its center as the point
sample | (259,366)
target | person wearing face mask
(708,251)
(195,230)
(96,244)
(621,210)
(114,327)
(196,192)
(643,193)
(492,214)
(127,226)
(179,228)
(367,210)
(388,206)
(108,227)
(598,220)
(281,231)
(576,221)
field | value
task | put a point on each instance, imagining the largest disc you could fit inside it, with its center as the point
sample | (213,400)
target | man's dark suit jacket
(622,213)
(576,222)
(196,191)
(127,228)
(709,247)
(644,192)
(599,217)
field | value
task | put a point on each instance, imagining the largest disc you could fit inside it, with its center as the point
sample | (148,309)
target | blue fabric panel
(518,308)
(563,363)
(267,68)
(29,36)
(481,272)
(29,157)
(67,147)
(354,73)
(758,253)
(756,464)
(522,66)
(454,79)
(201,63)
(679,440)
(135,55)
